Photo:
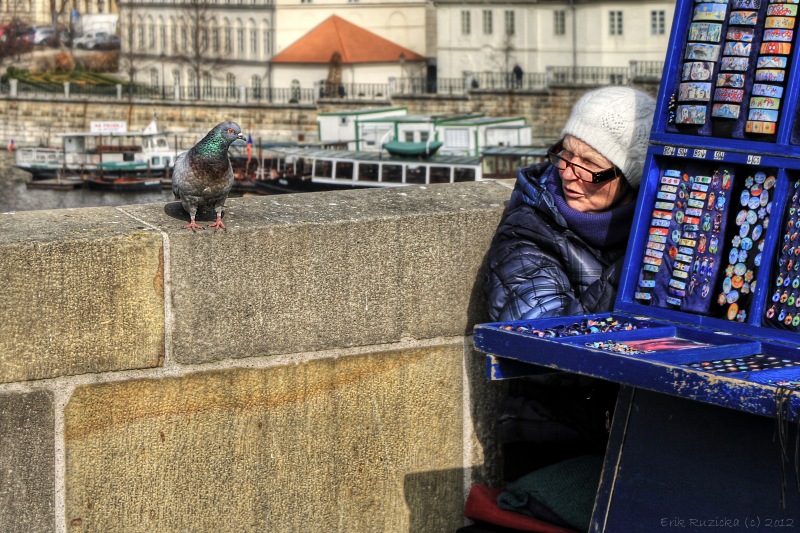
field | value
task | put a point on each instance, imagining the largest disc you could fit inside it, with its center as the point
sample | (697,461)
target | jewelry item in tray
(616,347)
(750,363)
(683,252)
(746,245)
(783,304)
(586,326)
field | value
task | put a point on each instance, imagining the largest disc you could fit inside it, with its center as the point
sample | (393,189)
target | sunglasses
(582,173)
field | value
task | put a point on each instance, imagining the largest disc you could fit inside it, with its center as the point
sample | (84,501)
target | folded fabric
(482,506)
(568,489)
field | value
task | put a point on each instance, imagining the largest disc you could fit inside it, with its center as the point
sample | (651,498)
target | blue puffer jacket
(538,267)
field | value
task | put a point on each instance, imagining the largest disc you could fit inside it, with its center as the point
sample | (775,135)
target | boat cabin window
(440,174)
(392,173)
(416,174)
(368,172)
(456,138)
(344,170)
(409,136)
(161,142)
(323,169)
(424,135)
(464,174)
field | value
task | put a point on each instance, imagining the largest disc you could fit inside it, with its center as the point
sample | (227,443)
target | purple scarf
(594,228)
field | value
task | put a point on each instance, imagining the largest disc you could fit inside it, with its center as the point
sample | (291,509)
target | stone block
(308,272)
(359,443)
(27,463)
(82,292)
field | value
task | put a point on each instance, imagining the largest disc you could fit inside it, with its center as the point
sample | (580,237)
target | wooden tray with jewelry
(709,304)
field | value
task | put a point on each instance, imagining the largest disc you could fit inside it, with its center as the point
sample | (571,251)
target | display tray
(703,364)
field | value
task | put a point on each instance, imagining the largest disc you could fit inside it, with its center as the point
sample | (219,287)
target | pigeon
(202,176)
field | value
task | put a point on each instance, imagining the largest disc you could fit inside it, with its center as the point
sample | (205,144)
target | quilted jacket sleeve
(534,271)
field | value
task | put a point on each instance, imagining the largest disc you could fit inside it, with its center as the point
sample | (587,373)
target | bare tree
(196,51)
(128,59)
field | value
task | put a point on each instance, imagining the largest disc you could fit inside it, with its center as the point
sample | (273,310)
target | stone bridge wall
(308,370)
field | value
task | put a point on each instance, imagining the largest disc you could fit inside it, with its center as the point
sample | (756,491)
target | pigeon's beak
(242,137)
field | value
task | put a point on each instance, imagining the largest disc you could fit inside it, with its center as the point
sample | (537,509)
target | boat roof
(113,134)
(364,111)
(481,120)
(536,151)
(375,157)
(428,119)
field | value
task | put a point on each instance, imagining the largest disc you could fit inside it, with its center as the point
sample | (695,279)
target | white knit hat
(616,122)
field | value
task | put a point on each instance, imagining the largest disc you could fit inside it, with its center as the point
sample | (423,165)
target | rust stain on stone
(98,407)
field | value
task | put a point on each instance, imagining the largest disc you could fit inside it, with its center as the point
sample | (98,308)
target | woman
(558,251)
(560,245)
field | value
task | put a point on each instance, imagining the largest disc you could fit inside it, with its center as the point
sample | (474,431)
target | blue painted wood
(677,465)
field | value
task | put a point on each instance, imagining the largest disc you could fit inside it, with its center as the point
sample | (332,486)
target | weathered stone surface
(364,443)
(307,272)
(82,291)
(27,465)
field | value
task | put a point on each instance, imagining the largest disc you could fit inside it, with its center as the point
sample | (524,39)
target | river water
(15,196)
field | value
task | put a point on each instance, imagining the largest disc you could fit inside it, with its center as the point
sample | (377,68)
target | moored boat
(108,146)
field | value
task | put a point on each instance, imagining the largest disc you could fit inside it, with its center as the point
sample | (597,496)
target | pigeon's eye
(230,130)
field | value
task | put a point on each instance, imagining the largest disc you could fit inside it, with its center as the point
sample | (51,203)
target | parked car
(40,35)
(90,40)
(112,43)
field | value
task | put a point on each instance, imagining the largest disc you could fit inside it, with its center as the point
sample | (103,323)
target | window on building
(560,22)
(151,35)
(154,77)
(184,38)
(615,23)
(230,84)
(466,23)
(457,137)
(140,32)
(162,36)
(253,40)
(214,38)
(240,41)
(228,40)
(487,22)
(658,22)
(267,40)
(510,23)
(207,86)
(255,85)
(176,77)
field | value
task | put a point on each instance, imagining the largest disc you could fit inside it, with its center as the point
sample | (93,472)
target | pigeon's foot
(193,226)
(217,224)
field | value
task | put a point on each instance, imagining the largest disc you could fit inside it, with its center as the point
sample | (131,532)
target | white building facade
(237,38)
(494,35)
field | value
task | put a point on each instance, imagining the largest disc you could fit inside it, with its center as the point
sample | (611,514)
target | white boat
(311,169)
(102,150)
(296,169)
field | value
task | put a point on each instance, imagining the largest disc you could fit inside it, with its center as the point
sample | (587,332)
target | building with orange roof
(339,52)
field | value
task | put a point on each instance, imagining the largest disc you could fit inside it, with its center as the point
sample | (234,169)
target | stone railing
(309,369)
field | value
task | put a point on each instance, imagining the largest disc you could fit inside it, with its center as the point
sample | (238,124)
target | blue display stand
(705,334)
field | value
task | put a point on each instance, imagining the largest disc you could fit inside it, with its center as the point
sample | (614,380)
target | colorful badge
(740,18)
(710,12)
(777,35)
(694,91)
(760,89)
(764,102)
(735,81)
(697,70)
(773,75)
(781,10)
(780,22)
(738,64)
(702,51)
(776,48)
(691,114)
(725,111)
(728,95)
(772,62)
(737,49)
(766,128)
(736,33)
